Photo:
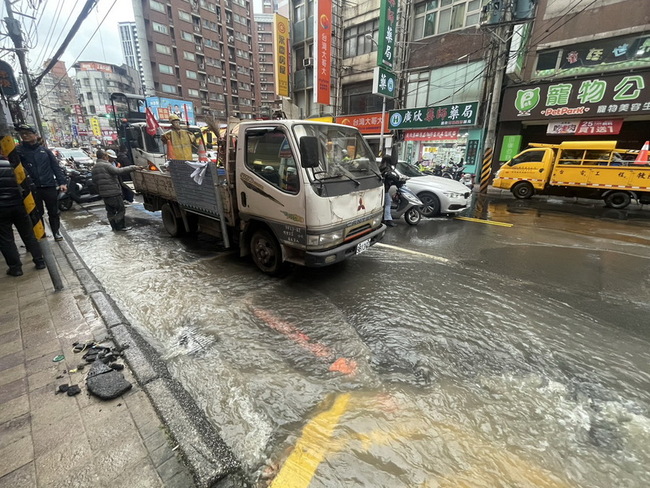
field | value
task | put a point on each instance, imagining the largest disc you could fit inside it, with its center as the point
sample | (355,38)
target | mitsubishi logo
(361,205)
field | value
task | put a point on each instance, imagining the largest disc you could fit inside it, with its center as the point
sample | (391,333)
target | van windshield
(343,153)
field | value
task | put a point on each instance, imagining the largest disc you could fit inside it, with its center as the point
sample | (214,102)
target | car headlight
(453,194)
(322,240)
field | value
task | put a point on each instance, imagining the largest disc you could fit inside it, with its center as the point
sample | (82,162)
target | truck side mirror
(309,152)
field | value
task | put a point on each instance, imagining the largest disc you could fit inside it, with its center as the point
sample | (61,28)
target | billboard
(162,108)
(281,35)
(323,46)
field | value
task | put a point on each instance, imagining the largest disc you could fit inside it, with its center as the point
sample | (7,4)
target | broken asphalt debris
(71,390)
(104,379)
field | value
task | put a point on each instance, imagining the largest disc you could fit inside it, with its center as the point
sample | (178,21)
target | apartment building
(131,49)
(57,96)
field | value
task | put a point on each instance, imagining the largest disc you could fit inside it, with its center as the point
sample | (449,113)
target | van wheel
(523,190)
(266,252)
(172,224)
(617,199)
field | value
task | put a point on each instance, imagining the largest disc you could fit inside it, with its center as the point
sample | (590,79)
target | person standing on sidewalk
(12,212)
(45,172)
(107,178)
(122,160)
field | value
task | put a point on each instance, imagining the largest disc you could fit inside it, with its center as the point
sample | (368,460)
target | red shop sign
(599,127)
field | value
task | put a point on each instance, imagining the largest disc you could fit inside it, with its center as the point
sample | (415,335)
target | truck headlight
(326,239)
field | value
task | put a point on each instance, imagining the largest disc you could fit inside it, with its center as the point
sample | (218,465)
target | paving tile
(170,468)
(82,477)
(68,429)
(112,459)
(55,464)
(43,362)
(156,440)
(15,429)
(140,475)
(23,477)
(112,430)
(15,455)
(180,480)
(10,335)
(47,377)
(161,454)
(12,347)
(50,348)
(48,408)
(36,325)
(36,310)
(34,341)
(13,390)
(14,408)
(7,362)
(12,374)
(27,301)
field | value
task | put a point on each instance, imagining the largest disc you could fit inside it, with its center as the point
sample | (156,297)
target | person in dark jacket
(107,178)
(45,172)
(122,160)
(12,212)
(386,166)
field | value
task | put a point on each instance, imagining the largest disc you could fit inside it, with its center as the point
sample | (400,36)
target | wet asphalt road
(508,353)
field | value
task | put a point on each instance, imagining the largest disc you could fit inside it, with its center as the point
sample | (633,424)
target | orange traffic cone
(201,151)
(642,158)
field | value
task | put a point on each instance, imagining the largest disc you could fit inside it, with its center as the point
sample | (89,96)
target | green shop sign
(439,116)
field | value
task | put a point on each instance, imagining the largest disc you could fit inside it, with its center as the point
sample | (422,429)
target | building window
(191,74)
(189,56)
(157,6)
(193,93)
(162,49)
(355,41)
(187,36)
(184,16)
(162,28)
(299,11)
(169,88)
(166,69)
(440,16)
(449,84)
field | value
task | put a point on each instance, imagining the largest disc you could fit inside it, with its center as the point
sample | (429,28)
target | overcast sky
(56,21)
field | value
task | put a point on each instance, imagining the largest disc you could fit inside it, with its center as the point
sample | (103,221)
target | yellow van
(586,169)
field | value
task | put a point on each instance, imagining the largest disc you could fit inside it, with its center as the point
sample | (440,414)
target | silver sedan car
(440,196)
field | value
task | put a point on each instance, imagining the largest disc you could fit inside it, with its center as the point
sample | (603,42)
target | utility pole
(15,33)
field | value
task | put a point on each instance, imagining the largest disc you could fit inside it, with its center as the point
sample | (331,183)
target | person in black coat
(12,212)
(45,172)
(107,178)
(386,166)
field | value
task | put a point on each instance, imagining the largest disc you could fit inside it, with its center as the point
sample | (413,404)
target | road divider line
(482,221)
(311,448)
(415,253)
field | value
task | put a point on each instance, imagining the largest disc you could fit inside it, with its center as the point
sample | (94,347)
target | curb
(206,455)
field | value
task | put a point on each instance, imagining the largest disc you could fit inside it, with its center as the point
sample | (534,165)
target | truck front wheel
(617,199)
(266,252)
(173,225)
(523,190)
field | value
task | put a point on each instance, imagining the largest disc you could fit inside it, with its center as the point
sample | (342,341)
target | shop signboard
(585,127)
(366,123)
(384,82)
(432,135)
(510,147)
(281,34)
(596,97)
(387,30)
(457,114)
(323,46)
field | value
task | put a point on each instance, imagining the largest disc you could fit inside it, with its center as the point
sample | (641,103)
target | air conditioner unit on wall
(308,62)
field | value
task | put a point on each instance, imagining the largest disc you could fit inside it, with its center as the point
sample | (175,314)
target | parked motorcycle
(405,203)
(81,189)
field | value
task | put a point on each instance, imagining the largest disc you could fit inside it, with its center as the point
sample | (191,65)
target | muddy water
(394,369)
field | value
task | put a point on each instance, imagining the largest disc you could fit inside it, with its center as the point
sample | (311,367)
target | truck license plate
(363,246)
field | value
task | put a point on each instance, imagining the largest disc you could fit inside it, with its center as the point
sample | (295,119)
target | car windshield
(343,153)
(408,169)
(73,153)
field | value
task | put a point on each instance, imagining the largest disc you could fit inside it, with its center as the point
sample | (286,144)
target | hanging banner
(281,35)
(387,29)
(323,51)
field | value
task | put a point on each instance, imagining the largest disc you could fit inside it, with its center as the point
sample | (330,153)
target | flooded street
(454,353)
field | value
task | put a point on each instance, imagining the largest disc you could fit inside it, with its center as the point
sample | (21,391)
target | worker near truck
(107,178)
(182,141)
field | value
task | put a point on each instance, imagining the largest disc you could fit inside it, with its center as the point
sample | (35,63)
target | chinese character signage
(384,83)
(366,123)
(432,135)
(510,147)
(601,96)
(7,80)
(281,34)
(599,127)
(387,30)
(105,68)
(457,114)
(322,51)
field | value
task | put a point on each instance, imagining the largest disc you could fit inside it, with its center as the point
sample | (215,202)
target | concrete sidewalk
(52,440)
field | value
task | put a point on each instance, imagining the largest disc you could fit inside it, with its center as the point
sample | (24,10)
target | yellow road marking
(416,253)
(481,221)
(311,448)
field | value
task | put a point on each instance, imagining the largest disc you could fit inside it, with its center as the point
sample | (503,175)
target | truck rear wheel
(173,225)
(618,199)
(523,190)
(266,252)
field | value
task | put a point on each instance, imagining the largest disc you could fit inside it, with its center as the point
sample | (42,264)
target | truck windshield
(342,152)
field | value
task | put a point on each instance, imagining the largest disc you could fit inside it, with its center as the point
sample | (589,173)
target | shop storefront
(438,135)
(599,107)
